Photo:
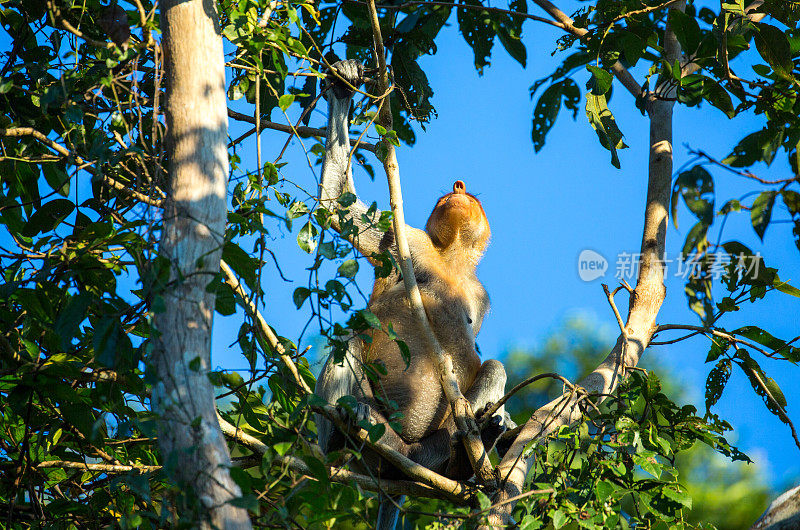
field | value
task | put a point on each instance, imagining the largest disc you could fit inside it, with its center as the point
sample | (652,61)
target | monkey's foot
(351,71)
(499,423)
(503,445)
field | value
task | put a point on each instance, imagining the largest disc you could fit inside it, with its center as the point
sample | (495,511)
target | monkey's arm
(337,175)
(348,378)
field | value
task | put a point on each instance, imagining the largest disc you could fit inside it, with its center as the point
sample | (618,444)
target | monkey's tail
(389,511)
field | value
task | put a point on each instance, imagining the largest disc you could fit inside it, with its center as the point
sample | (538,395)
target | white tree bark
(782,514)
(193,449)
(645,303)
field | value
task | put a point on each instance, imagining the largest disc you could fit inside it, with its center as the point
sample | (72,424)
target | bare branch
(302,131)
(100,468)
(741,173)
(261,325)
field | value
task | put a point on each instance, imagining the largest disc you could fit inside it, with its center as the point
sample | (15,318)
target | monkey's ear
(351,71)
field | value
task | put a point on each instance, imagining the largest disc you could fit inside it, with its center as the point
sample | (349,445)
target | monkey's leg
(489,387)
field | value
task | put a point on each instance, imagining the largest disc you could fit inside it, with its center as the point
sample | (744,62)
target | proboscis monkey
(444,255)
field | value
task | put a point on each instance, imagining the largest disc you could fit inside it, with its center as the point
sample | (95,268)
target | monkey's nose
(459,187)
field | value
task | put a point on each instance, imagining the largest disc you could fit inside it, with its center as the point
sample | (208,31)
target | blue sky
(544,210)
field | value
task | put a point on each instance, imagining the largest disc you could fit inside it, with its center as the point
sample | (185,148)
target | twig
(742,173)
(488,413)
(302,130)
(643,11)
(100,468)
(610,297)
(55,13)
(263,327)
(621,73)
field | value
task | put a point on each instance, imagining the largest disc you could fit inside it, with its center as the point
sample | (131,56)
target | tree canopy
(85,181)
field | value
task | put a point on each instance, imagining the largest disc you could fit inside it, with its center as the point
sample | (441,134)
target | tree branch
(18,132)
(100,468)
(645,303)
(621,73)
(433,485)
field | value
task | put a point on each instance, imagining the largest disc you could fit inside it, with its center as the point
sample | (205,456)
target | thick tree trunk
(192,446)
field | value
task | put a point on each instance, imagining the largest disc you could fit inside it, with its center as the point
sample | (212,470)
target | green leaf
(244,265)
(756,147)
(647,461)
(548,107)
(476,28)
(483,501)
(56,177)
(761,212)
(602,121)
(764,338)
(696,186)
(48,217)
(307,238)
(716,381)
(718,96)
(695,239)
(601,80)
(509,31)
(376,432)
(559,518)
(346,199)
(686,30)
(764,386)
(774,47)
(69,318)
(299,296)
(604,489)
(633,47)
(370,318)
(678,493)
(348,269)
(784,287)
(106,337)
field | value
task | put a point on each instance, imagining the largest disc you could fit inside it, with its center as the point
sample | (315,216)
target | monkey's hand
(347,75)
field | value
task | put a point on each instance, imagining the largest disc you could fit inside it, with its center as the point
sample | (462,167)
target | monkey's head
(458,217)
